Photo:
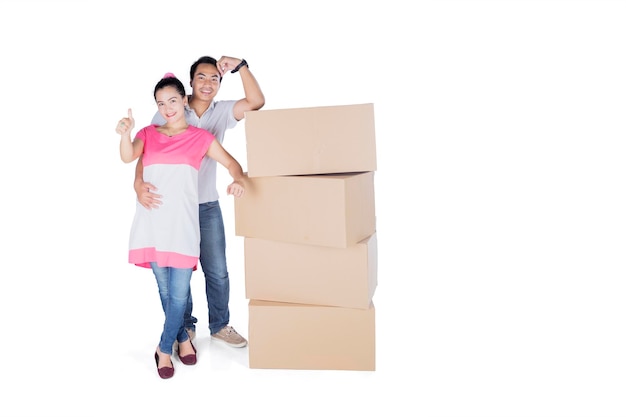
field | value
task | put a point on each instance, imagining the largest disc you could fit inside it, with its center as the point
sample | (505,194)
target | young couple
(176,191)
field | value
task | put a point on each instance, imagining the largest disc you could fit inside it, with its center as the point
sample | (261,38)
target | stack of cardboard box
(309,227)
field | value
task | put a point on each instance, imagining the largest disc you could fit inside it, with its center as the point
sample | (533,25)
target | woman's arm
(218,153)
(129,149)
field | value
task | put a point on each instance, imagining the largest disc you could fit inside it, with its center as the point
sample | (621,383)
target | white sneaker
(230,336)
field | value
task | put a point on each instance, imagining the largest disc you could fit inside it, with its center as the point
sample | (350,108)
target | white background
(499,196)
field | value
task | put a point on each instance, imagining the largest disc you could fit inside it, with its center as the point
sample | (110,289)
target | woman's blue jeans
(174,284)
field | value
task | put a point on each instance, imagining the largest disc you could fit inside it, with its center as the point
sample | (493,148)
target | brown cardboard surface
(311,274)
(334,210)
(314,140)
(302,336)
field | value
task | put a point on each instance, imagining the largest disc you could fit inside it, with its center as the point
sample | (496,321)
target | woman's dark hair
(169,80)
(202,60)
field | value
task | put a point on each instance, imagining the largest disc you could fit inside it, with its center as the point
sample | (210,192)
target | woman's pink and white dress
(170,235)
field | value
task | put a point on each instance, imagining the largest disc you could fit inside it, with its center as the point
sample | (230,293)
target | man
(215,116)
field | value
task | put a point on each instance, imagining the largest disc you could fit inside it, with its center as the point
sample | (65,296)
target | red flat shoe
(165,372)
(190,359)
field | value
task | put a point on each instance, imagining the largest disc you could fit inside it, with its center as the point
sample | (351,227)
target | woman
(167,240)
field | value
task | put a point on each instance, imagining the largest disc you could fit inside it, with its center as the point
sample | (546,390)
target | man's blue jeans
(213,262)
(173,286)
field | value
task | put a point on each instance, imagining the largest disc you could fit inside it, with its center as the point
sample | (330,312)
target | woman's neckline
(170,132)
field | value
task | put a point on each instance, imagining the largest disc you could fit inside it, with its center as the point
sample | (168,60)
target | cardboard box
(309,274)
(315,140)
(328,210)
(304,336)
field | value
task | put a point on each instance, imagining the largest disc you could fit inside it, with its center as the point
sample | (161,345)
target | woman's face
(171,104)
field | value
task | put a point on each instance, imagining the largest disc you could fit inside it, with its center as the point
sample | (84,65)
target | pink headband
(169,75)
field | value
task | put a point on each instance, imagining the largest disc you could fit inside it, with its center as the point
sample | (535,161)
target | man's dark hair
(202,60)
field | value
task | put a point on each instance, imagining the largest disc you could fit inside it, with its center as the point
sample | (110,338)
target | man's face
(206,82)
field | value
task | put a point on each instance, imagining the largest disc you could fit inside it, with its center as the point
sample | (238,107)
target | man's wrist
(241,65)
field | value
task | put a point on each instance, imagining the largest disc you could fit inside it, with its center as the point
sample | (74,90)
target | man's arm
(254,98)
(144,190)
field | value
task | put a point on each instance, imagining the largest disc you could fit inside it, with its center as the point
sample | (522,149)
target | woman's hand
(126,124)
(235,188)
